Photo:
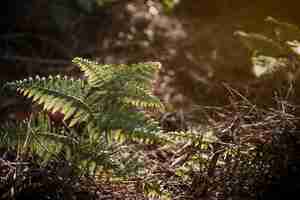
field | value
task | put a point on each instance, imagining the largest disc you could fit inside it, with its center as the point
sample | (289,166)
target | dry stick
(233,91)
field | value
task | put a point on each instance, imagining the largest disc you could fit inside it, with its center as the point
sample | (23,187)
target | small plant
(278,51)
(101,112)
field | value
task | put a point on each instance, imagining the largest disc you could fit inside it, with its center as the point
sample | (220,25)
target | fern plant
(278,51)
(107,104)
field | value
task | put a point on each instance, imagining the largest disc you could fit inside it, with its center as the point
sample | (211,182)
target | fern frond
(205,137)
(120,84)
(258,43)
(95,73)
(56,99)
(283,30)
(141,135)
(145,104)
(107,102)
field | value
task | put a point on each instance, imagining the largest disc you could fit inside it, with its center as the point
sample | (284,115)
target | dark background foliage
(195,40)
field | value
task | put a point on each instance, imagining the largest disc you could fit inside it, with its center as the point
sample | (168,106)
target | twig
(233,91)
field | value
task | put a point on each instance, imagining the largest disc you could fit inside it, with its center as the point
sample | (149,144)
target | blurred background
(192,39)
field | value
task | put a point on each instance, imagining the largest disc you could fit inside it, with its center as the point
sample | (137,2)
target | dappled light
(149,100)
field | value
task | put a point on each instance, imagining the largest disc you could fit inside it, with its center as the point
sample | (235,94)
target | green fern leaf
(54,100)
(69,110)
